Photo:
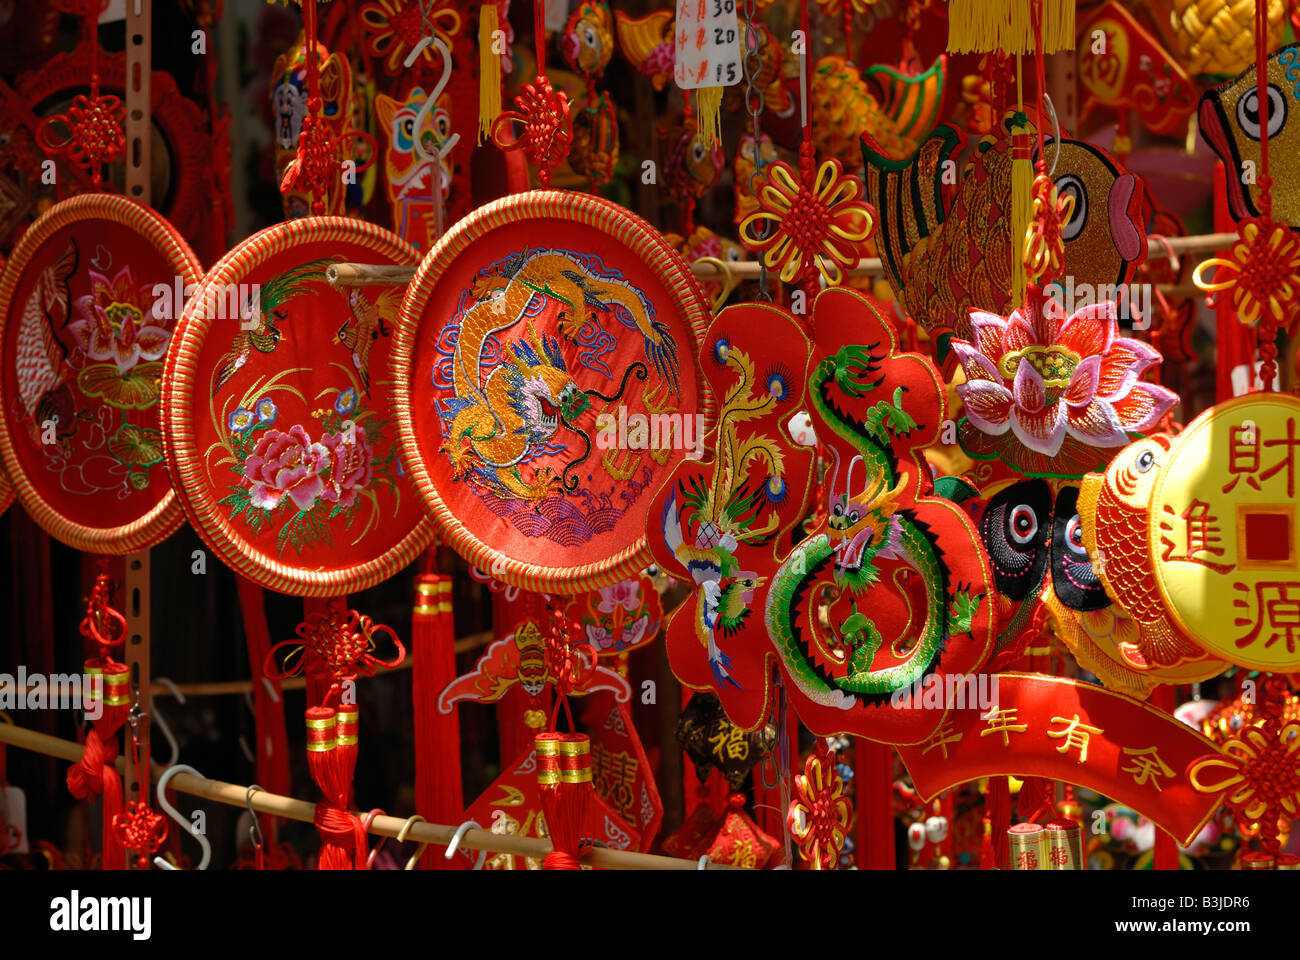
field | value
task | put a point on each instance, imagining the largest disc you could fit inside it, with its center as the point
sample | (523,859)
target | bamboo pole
(365,274)
(292,809)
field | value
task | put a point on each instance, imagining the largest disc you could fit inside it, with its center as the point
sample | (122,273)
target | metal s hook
(255,827)
(401,838)
(176,815)
(430,101)
(454,845)
(729,280)
(1056,139)
(365,825)
(161,720)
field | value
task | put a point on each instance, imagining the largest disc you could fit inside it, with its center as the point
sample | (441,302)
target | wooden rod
(293,809)
(366,274)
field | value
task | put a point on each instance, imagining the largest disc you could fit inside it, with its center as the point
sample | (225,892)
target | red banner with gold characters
(1076,732)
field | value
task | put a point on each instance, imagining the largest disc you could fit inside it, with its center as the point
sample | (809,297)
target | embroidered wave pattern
(569,521)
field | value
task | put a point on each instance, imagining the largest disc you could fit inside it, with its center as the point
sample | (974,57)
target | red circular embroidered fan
(279,425)
(87,308)
(546,358)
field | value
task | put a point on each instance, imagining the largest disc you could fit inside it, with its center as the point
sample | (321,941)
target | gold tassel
(489,70)
(1022,201)
(708,119)
(982,26)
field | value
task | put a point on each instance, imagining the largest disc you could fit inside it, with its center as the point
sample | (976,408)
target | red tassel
(268,712)
(564,776)
(874,779)
(96,772)
(437,735)
(332,758)
(997,816)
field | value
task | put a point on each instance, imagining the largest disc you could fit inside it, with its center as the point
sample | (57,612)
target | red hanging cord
(140,827)
(110,696)
(1268,325)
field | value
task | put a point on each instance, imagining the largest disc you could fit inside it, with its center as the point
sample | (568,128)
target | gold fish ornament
(587,45)
(845,109)
(1229,121)
(647,43)
(947,250)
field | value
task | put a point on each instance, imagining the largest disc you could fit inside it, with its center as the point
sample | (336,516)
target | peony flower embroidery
(1046,392)
(350,469)
(116,323)
(287,464)
(825,225)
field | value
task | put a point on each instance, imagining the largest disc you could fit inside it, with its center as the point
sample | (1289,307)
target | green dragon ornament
(889,587)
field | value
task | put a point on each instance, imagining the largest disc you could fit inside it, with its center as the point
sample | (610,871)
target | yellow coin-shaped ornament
(1223,535)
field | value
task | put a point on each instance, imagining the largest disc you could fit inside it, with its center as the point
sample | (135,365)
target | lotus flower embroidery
(1048,393)
(116,324)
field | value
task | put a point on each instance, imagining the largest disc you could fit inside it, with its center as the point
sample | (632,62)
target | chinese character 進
(941,738)
(1202,534)
(1147,767)
(1076,736)
(1277,608)
(1005,724)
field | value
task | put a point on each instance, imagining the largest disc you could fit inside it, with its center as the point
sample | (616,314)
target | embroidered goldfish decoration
(947,248)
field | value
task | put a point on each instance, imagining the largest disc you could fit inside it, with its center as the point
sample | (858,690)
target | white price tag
(707,44)
(115,11)
(557,14)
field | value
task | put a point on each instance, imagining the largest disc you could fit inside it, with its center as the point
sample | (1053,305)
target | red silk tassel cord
(94,127)
(336,644)
(543,111)
(313,169)
(1268,324)
(96,772)
(332,759)
(564,779)
(803,232)
(139,827)
(564,774)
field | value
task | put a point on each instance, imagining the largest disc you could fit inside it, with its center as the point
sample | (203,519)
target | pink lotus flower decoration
(116,322)
(625,594)
(1048,394)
